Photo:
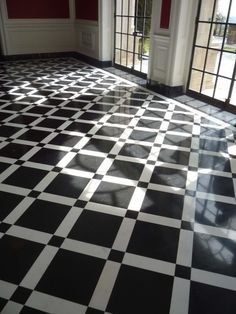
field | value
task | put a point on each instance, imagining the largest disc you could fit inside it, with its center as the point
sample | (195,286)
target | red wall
(42,9)
(165,13)
(86,9)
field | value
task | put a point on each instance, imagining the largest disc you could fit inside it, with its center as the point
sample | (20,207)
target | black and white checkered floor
(112,199)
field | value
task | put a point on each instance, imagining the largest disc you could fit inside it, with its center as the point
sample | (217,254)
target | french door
(213,66)
(132,34)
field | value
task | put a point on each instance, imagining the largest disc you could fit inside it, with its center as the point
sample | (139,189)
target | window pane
(230,41)
(222,89)
(227,64)
(221,12)
(212,63)
(203,34)
(118,45)
(137,62)
(131,26)
(138,45)
(118,7)
(208,84)
(125,24)
(131,43)
(129,60)
(123,58)
(206,10)
(195,81)
(117,56)
(118,24)
(124,42)
(148,7)
(217,36)
(232,16)
(199,58)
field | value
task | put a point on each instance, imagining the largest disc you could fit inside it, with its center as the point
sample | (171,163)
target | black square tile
(7,131)
(34,135)
(39,110)
(179,127)
(183,272)
(67,185)
(50,123)
(174,156)
(151,124)
(119,119)
(217,214)
(43,216)
(24,119)
(214,163)
(16,107)
(76,104)
(91,116)
(26,177)
(134,150)
(183,117)
(210,299)
(214,254)
(98,145)
(136,291)
(86,97)
(213,145)
(113,194)
(4,115)
(85,163)
(110,131)
(126,169)
(19,255)
(65,140)
(154,114)
(65,113)
(158,105)
(87,268)
(170,177)
(178,140)
(21,295)
(48,156)
(80,127)
(154,241)
(212,132)
(4,227)
(109,100)
(131,214)
(91,225)
(215,184)
(116,256)
(143,136)
(126,110)
(163,204)
(8,203)
(133,102)
(101,107)
(56,241)
(15,151)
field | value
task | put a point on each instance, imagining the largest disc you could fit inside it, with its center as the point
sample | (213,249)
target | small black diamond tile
(57,169)
(21,295)
(116,256)
(56,241)
(131,214)
(98,176)
(190,168)
(186,225)
(143,185)
(93,311)
(19,162)
(151,162)
(111,156)
(4,227)
(40,145)
(183,272)
(80,204)
(190,193)
(34,194)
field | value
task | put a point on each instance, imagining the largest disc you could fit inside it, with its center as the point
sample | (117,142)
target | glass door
(132,34)
(213,67)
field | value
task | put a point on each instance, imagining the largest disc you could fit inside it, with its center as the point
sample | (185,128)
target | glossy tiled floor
(112,199)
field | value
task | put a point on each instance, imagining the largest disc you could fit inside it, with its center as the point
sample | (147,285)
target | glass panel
(131,26)
(208,84)
(124,42)
(230,41)
(138,45)
(146,46)
(212,63)
(232,16)
(125,24)
(123,58)
(199,58)
(140,7)
(131,43)
(233,96)
(139,25)
(125,7)
(118,44)
(144,65)
(148,7)
(195,82)
(222,89)
(217,36)
(203,34)
(118,24)
(206,10)
(227,64)
(129,60)
(117,56)
(147,27)
(221,11)
(118,7)
(137,62)
(132,8)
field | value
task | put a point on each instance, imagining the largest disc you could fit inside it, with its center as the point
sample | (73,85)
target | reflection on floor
(112,199)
